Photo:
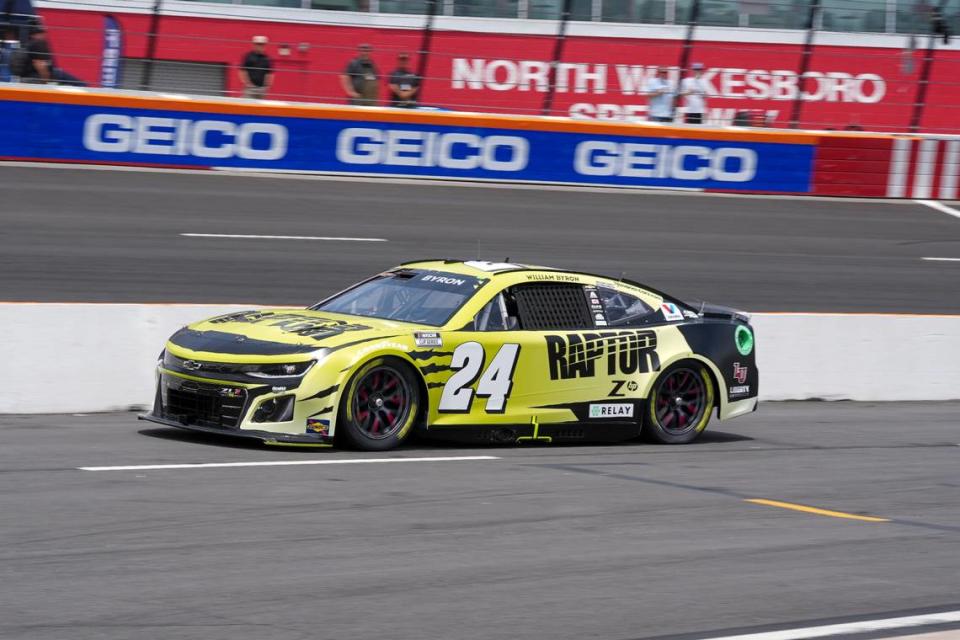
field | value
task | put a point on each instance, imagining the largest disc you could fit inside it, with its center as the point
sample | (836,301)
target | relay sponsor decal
(611,410)
(576,355)
(171,137)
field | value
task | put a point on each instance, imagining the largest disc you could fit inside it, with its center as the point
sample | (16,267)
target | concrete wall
(70,358)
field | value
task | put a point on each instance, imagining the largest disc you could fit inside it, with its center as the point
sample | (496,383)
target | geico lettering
(115,133)
(682,162)
(625,352)
(456,150)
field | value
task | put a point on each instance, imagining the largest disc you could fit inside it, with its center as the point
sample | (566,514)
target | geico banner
(185,138)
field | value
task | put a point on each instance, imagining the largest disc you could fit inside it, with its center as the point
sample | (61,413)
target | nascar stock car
(472,351)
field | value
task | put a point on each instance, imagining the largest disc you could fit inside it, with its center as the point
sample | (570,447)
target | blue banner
(112,46)
(191,139)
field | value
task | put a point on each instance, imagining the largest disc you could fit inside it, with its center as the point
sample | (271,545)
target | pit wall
(71,358)
(148,129)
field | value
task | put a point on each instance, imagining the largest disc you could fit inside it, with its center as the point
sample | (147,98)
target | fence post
(147,77)
(425,42)
(692,20)
(804,63)
(937,27)
(557,55)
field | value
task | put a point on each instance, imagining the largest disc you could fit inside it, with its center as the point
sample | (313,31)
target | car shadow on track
(225,441)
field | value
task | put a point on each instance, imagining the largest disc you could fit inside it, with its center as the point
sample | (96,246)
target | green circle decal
(744,339)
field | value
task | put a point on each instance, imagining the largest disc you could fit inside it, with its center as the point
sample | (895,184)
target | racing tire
(379,407)
(680,403)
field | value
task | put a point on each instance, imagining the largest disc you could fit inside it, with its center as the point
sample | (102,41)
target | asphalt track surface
(613,542)
(114,236)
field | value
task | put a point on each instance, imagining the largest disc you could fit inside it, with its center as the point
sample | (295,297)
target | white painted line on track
(283,463)
(939,206)
(253,237)
(864,626)
(942,259)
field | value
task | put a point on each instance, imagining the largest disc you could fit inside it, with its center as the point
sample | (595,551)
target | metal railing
(552,84)
(857,16)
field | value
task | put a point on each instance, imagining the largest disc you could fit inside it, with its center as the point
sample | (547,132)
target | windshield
(424,297)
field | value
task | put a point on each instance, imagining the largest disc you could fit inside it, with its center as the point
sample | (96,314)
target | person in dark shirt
(40,64)
(359,80)
(256,70)
(404,84)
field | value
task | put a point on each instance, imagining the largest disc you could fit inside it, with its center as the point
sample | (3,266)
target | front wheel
(680,404)
(379,406)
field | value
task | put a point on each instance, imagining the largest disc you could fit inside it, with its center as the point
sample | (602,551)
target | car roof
(479,268)
(493,270)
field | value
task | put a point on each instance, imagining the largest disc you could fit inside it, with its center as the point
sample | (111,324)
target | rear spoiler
(720,312)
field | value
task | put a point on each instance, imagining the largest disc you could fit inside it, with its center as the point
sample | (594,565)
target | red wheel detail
(681,401)
(381,402)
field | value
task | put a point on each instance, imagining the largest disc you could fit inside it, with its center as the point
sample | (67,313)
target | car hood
(283,332)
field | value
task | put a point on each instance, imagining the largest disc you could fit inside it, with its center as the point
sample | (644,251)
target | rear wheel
(680,404)
(379,407)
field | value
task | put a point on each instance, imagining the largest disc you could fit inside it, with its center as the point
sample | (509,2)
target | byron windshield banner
(85,133)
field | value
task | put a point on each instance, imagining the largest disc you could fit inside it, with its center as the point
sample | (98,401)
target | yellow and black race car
(472,351)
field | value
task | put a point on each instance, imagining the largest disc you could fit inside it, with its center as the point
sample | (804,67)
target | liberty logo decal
(739,373)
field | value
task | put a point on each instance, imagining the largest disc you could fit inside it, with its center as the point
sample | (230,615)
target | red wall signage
(847,87)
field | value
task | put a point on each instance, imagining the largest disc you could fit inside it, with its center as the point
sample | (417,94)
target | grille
(553,306)
(202,404)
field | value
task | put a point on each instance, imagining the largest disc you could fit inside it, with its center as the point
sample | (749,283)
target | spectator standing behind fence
(13,59)
(404,84)
(256,70)
(359,80)
(660,97)
(694,92)
(40,65)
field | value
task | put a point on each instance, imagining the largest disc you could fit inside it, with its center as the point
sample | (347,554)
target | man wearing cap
(404,84)
(256,70)
(359,80)
(694,92)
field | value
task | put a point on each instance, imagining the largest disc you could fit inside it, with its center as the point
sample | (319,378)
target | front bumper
(226,408)
(266,437)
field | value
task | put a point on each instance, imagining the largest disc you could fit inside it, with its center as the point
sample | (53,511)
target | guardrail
(106,360)
(165,130)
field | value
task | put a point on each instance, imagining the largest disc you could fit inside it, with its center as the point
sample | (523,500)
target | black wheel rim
(381,403)
(681,401)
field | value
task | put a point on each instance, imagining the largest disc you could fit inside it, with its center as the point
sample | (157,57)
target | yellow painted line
(820,512)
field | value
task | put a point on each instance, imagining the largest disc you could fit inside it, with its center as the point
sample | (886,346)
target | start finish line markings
(254,237)
(283,463)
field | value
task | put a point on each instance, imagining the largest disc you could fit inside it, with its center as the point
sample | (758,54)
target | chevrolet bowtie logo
(191,365)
